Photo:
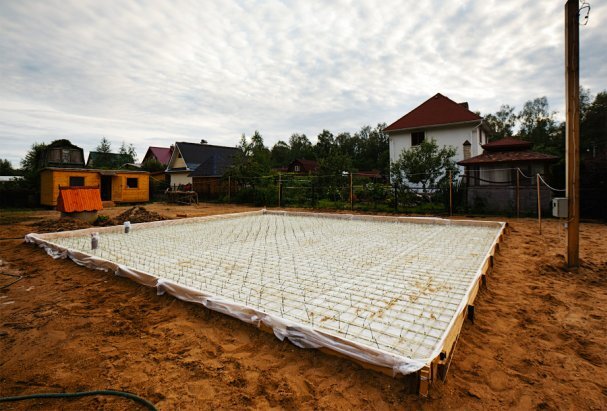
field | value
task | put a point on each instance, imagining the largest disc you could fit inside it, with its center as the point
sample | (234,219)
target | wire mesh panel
(389,285)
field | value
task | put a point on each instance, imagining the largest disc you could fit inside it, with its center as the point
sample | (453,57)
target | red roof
(489,157)
(78,199)
(507,143)
(437,110)
(162,154)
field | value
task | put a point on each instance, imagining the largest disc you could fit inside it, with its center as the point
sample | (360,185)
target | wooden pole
(450,192)
(229,189)
(518,193)
(351,193)
(539,203)
(279,188)
(572,100)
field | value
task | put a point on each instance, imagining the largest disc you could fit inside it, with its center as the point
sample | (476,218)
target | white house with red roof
(441,119)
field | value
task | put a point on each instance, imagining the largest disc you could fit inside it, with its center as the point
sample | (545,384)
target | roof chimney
(464,104)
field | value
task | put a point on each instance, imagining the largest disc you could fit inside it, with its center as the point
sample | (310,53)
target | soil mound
(138,215)
(61,224)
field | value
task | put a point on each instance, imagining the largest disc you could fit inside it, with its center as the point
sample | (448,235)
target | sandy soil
(538,340)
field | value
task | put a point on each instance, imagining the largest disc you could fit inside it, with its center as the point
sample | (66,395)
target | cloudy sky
(150,73)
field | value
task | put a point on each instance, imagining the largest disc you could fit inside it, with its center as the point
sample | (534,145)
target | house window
(417,137)
(76,181)
(132,182)
(467,151)
(65,158)
(297,169)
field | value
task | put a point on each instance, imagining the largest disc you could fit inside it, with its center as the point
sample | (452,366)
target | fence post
(539,203)
(395,198)
(518,193)
(351,193)
(279,188)
(450,193)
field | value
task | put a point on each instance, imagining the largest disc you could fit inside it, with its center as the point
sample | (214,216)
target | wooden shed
(119,186)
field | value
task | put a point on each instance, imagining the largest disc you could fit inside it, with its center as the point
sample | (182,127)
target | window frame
(79,178)
(415,137)
(136,182)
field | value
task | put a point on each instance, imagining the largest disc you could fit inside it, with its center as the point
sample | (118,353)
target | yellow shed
(116,185)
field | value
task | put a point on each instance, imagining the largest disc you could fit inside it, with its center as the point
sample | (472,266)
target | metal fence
(519,195)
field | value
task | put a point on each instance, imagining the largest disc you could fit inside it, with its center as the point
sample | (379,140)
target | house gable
(443,120)
(436,111)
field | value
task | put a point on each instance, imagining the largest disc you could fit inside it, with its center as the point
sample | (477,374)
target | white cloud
(155,72)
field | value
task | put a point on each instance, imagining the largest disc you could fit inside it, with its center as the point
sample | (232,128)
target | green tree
(104,146)
(6,168)
(325,145)
(128,152)
(502,122)
(31,163)
(280,154)
(301,147)
(593,126)
(374,151)
(152,165)
(251,163)
(539,126)
(424,164)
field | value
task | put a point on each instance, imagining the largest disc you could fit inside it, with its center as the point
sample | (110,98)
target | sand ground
(538,341)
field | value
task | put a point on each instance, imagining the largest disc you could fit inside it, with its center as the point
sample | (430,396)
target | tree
(152,165)
(252,162)
(280,154)
(593,126)
(6,168)
(301,147)
(539,127)
(30,165)
(104,146)
(325,145)
(502,122)
(128,152)
(373,150)
(424,164)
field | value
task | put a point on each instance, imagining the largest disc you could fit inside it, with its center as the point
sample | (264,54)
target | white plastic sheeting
(383,290)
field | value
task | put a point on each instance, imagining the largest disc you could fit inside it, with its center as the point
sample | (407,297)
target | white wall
(444,136)
(180,178)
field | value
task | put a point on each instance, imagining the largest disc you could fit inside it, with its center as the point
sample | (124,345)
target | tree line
(368,148)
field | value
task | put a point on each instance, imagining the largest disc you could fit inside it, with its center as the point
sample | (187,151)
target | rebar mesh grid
(394,286)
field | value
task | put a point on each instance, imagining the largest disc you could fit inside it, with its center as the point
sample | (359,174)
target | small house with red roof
(303,166)
(442,119)
(500,160)
(504,175)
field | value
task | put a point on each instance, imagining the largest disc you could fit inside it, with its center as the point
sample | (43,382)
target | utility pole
(572,81)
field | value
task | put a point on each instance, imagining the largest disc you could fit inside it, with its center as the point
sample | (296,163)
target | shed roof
(162,154)
(489,157)
(78,199)
(507,143)
(437,110)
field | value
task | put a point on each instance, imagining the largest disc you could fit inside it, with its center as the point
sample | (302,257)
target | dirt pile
(138,215)
(62,224)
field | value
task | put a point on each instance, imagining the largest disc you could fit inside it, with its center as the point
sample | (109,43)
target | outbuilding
(118,186)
